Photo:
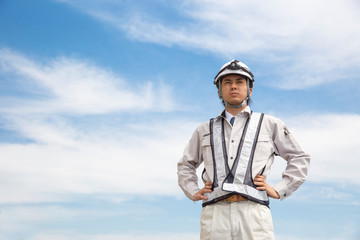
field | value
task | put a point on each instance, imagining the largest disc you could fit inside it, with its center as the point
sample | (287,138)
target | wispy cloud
(99,157)
(66,85)
(71,113)
(153,236)
(67,160)
(64,160)
(303,44)
(331,141)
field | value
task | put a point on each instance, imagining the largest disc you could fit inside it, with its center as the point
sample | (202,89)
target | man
(238,149)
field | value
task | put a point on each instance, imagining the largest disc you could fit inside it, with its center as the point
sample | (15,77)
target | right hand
(200,194)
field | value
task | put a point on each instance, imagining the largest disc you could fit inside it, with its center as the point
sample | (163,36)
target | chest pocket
(206,149)
(264,148)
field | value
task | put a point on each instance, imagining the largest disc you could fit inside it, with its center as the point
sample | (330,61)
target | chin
(235,102)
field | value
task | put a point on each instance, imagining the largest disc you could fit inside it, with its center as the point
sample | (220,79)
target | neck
(234,111)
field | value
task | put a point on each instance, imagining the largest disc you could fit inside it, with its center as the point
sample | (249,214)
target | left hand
(261,184)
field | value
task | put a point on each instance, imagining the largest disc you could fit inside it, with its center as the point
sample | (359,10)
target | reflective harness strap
(239,178)
(244,161)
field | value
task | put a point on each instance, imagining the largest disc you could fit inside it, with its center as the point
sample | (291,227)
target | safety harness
(238,179)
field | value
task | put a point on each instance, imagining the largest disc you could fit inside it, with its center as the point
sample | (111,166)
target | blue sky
(99,98)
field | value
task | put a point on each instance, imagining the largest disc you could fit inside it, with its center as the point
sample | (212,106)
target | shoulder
(269,119)
(272,125)
(203,128)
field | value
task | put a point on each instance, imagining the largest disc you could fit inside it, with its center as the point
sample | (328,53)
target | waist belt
(235,198)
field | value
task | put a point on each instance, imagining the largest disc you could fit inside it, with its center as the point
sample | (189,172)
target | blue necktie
(232,121)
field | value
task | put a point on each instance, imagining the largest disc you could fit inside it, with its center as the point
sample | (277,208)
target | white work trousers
(243,220)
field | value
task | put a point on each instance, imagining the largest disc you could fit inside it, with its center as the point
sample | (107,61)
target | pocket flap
(206,141)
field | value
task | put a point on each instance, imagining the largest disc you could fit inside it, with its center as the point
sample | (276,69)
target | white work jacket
(274,139)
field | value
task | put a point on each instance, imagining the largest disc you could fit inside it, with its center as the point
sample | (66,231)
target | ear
(250,91)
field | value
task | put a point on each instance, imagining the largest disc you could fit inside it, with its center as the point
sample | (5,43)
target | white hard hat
(234,67)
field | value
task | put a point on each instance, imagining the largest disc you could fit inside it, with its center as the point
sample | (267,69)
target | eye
(240,81)
(227,82)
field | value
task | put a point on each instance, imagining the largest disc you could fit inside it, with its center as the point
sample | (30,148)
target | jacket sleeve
(297,160)
(192,158)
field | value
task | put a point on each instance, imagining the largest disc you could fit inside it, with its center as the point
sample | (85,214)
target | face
(234,89)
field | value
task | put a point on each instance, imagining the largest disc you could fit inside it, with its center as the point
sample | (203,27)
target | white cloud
(65,157)
(158,236)
(288,237)
(305,43)
(331,141)
(67,152)
(77,86)
(24,218)
(64,160)
(149,236)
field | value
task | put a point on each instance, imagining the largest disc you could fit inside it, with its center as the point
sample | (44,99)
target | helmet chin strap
(237,106)
(243,102)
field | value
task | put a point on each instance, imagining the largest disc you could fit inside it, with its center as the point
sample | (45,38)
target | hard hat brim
(230,71)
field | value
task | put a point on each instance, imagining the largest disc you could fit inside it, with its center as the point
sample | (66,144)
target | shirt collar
(228,116)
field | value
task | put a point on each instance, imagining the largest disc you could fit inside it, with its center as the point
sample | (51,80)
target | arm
(297,161)
(192,158)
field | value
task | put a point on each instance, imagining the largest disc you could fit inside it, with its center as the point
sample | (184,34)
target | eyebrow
(228,79)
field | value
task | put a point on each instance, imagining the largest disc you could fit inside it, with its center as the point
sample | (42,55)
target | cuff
(282,189)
